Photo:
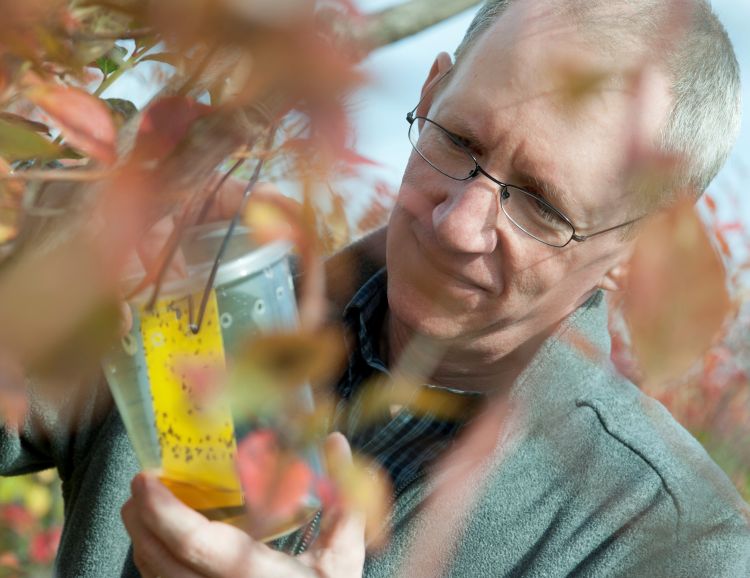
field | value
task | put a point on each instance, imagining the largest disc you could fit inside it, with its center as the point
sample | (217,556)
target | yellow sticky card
(196,438)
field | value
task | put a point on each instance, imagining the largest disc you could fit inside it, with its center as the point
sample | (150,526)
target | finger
(151,556)
(342,555)
(210,549)
(340,550)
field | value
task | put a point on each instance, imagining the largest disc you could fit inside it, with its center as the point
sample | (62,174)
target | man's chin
(427,315)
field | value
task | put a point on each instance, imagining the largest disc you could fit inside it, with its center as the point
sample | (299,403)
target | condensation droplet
(226,320)
(268,272)
(130,345)
(260,307)
(279,293)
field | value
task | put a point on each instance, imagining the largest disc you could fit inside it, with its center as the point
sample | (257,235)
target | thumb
(340,550)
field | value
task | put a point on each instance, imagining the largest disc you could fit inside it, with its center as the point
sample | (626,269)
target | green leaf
(25,122)
(20,143)
(112,60)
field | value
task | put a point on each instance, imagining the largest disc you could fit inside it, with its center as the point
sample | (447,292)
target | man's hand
(170,540)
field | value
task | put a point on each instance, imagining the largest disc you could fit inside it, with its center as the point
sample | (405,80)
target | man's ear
(615,278)
(442,64)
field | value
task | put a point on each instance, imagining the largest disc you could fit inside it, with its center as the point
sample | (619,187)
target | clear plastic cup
(156,373)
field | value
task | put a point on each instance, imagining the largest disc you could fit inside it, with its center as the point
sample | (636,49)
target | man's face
(458,268)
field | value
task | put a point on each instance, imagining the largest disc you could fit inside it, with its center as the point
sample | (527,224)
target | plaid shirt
(404,443)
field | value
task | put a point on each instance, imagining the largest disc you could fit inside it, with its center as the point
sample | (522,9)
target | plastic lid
(201,245)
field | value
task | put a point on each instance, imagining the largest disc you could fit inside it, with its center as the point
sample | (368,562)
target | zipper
(308,534)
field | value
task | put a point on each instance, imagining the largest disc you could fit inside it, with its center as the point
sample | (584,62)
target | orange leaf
(723,244)
(83,119)
(276,482)
(359,486)
(677,299)
(710,203)
(290,359)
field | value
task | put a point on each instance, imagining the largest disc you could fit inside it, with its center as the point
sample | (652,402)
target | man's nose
(466,220)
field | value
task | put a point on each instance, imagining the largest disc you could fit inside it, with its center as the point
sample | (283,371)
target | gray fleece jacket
(591,479)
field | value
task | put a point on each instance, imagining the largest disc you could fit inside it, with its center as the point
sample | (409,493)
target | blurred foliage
(31,514)
(246,84)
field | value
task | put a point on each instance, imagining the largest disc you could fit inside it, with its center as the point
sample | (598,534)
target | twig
(56,175)
(124,35)
(170,249)
(195,327)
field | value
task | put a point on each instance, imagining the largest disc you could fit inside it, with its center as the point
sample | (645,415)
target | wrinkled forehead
(547,43)
(541,50)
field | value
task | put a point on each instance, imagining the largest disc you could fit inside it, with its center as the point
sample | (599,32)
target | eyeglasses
(528,211)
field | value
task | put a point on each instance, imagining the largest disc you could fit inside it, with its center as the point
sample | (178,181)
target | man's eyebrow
(550,191)
(458,127)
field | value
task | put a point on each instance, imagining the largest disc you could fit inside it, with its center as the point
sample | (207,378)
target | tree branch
(398,22)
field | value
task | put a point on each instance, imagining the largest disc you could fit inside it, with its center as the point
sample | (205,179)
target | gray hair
(704,121)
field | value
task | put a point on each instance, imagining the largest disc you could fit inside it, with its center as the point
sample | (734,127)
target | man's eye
(545,211)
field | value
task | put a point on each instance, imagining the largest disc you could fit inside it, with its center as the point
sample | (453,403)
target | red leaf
(83,119)
(733,227)
(710,203)
(725,249)
(275,482)
(165,124)
(677,299)
(44,546)
(351,157)
(17,518)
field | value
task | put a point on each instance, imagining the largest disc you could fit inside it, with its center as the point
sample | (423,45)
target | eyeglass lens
(527,211)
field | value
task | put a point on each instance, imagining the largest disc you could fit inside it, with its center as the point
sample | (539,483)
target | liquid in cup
(158,371)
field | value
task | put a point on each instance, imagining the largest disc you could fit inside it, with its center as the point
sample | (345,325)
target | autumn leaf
(291,359)
(272,217)
(277,483)
(83,119)
(18,143)
(44,546)
(267,221)
(16,517)
(710,203)
(677,299)
(165,123)
(22,121)
(11,205)
(9,560)
(358,486)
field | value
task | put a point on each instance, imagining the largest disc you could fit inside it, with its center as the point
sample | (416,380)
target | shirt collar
(364,316)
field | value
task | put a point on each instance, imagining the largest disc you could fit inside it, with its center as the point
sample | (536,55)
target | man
(515,211)
(517,208)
